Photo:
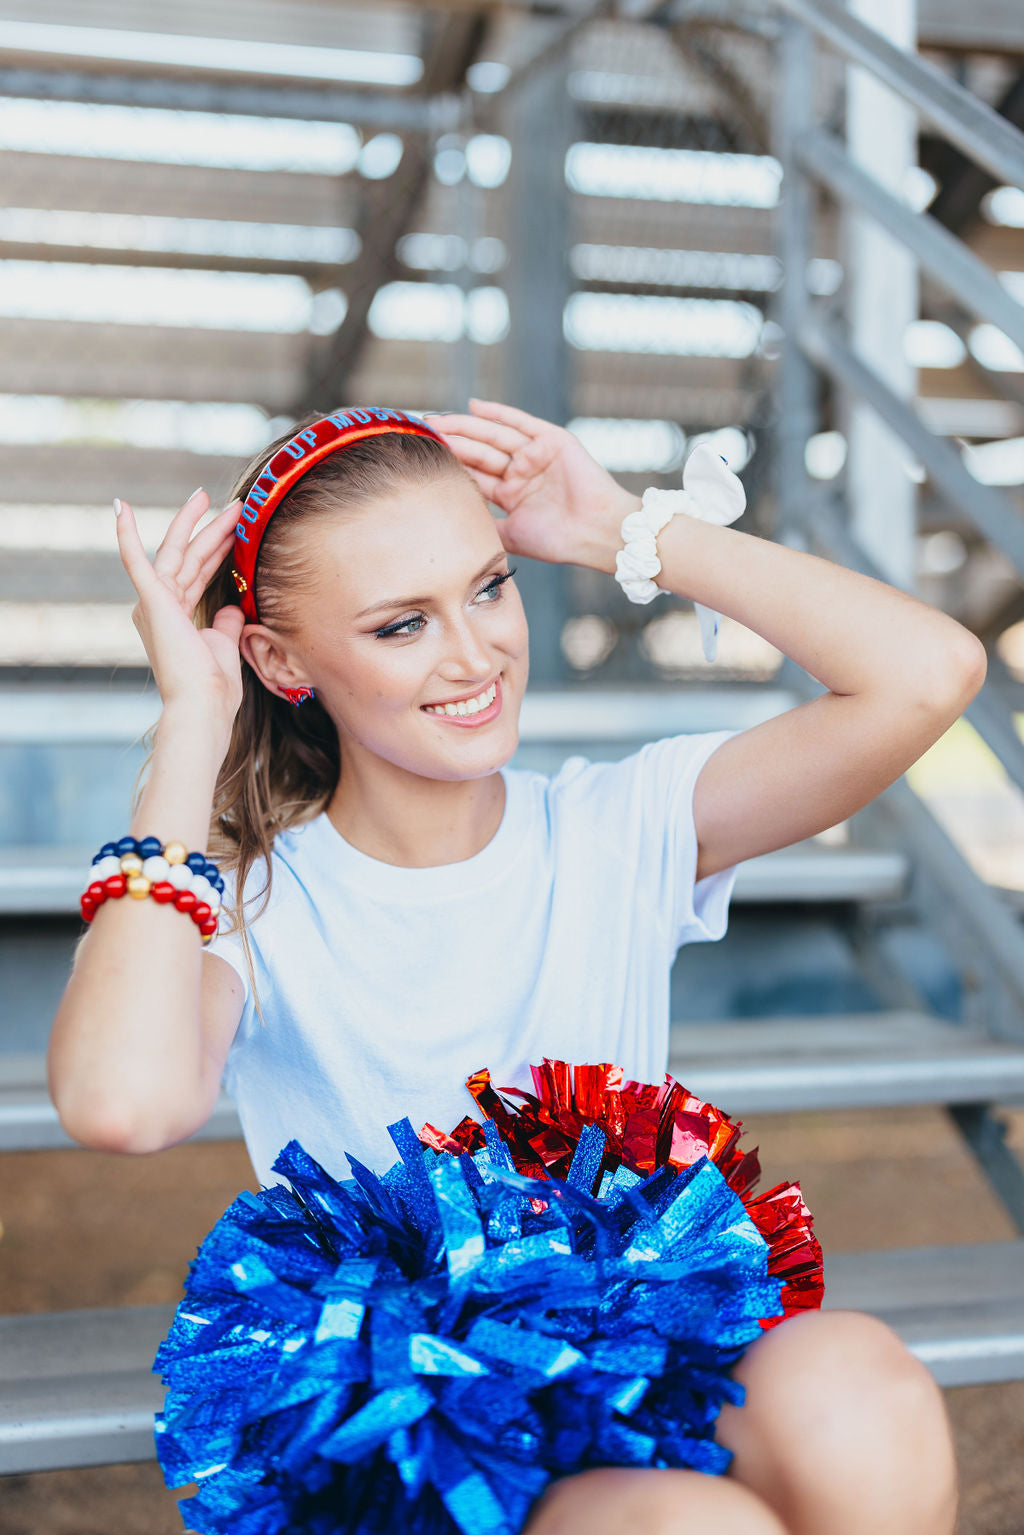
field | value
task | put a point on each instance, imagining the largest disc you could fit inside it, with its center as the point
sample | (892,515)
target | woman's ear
(271,659)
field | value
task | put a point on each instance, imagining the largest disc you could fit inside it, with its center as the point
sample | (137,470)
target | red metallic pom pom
(185,900)
(647,1125)
(200,912)
(162,892)
(209,927)
(115,886)
(97,892)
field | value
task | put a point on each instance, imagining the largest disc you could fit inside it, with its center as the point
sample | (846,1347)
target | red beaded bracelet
(116,886)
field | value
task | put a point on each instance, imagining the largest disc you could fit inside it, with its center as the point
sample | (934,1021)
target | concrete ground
(88,1229)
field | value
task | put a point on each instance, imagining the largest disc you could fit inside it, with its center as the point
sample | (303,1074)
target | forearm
(851,632)
(125,1052)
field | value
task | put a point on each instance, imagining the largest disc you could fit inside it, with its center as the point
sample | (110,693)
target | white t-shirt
(383,988)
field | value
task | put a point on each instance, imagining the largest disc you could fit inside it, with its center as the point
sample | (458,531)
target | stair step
(843,1061)
(775,1066)
(40,881)
(960,1309)
(80,1389)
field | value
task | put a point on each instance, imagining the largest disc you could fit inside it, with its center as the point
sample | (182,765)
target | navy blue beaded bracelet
(152,847)
(145,866)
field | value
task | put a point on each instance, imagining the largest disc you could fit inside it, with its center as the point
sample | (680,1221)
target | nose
(468,656)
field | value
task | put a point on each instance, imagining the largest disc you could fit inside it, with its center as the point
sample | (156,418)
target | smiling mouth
(487,703)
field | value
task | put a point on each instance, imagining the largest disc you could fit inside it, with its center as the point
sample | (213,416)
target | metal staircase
(77,1385)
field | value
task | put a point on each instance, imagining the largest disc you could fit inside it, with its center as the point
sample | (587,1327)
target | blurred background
(789,227)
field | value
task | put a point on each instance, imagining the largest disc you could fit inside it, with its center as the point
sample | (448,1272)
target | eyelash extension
(392,629)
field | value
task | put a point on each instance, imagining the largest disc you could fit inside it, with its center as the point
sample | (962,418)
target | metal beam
(389,208)
(985,1135)
(377,109)
(794,241)
(990,714)
(693,41)
(969,123)
(988,711)
(948,260)
(567,23)
(975,911)
(319,274)
(539,120)
(962,184)
(985,26)
(994,514)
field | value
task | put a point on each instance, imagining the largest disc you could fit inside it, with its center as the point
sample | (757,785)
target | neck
(402,818)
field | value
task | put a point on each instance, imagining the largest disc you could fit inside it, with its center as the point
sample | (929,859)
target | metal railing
(975,922)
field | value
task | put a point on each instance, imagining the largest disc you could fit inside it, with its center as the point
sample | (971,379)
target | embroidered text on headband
(274,481)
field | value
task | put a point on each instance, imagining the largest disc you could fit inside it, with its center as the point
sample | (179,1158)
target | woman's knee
(837,1370)
(612,1500)
(830,1394)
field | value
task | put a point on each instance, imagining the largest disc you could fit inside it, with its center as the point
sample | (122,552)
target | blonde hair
(283,763)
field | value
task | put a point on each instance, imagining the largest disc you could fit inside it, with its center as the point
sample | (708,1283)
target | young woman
(414,908)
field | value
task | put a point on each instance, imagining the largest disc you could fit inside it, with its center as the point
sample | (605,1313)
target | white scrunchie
(710,492)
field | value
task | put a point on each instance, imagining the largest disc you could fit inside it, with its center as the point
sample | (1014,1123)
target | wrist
(206,731)
(181,778)
(604,536)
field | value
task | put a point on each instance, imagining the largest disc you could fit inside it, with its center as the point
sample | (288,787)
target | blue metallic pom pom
(424,1351)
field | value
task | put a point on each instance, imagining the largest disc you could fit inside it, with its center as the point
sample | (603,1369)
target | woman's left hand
(560,505)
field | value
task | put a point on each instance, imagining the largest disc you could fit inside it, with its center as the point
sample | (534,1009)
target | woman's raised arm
(141,1033)
(898,671)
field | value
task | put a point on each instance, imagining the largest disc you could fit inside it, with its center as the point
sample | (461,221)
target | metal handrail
(968,123)
(996,516)
(948,259)
(985,915)
(988,711)
(982,914)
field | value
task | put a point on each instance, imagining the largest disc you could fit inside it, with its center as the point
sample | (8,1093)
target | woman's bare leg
(612,1500)
(843,1430)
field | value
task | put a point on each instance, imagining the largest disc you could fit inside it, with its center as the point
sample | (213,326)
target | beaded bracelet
(169,873)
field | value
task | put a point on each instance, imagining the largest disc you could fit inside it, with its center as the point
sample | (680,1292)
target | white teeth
(468,705)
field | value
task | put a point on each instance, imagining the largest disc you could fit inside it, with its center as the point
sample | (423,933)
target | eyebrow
(404,602)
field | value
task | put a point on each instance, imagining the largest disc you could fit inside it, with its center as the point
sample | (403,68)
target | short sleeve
(698,909)
(228,945)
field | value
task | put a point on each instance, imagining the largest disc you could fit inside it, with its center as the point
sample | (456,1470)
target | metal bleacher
(884,1030)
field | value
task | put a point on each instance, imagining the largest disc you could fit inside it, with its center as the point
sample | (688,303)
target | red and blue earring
(297,695)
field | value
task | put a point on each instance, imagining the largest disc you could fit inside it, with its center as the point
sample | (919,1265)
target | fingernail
(117,507)
(195,493)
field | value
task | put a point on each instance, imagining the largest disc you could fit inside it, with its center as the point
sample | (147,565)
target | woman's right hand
(189,664)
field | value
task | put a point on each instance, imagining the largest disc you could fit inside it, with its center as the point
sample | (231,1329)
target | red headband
(289,463)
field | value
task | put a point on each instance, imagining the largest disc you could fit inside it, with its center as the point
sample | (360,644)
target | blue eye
(493,585)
